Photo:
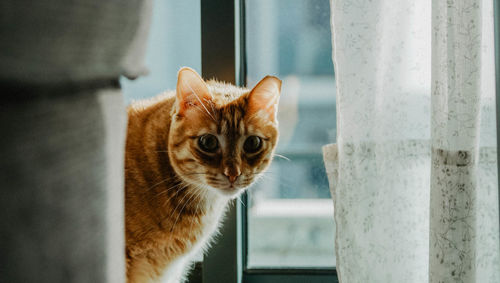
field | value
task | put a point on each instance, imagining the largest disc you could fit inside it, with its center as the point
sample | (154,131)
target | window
(290,212)
(264,239)
(166,54)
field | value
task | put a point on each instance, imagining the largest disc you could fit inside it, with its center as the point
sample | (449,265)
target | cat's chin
(221,190)
(229,192)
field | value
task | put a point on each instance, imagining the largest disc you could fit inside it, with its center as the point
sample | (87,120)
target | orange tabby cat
(188,153)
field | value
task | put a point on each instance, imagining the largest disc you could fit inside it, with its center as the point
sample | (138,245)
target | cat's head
(222,137)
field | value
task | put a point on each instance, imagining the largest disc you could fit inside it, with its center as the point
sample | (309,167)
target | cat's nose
(232,173)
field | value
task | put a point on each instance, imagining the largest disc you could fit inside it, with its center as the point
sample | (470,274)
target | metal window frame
(224,57)
(223,263)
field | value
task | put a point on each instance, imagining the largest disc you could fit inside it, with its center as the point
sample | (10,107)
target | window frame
(224,57)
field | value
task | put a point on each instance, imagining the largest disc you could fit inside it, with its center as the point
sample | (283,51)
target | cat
(188,153)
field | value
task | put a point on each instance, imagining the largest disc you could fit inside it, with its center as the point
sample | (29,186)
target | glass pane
(174,41)
(290,212)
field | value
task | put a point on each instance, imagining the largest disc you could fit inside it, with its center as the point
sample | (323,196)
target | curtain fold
(413,173)
(456,96)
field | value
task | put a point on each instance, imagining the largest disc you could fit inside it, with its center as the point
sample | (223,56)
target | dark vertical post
(241,75)
(241,51)
(218,40)
(496,11)
(218,60)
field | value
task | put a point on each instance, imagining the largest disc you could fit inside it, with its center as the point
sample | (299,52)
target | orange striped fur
(176,192)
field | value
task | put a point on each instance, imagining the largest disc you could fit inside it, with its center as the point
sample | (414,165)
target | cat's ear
(191,90)
(264,97)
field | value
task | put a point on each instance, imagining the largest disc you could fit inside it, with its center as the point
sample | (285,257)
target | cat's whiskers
(261,172)
(194,173)
(238,198)
(172,178)
(179,203)
(175,186)
(200,196)
(201,102)
(203,111)
(182,208)
(212,106)
(176,193)
(282,156)
(169,189)
(161,182)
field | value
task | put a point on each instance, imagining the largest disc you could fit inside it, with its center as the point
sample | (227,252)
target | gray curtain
(62,134)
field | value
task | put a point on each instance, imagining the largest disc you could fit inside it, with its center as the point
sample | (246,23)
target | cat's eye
(208,143)
(252,144)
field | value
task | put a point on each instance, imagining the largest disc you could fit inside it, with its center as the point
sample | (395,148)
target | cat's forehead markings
(241,128)
(231,127)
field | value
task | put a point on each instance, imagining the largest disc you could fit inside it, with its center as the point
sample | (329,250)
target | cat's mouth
(229,189)
(221,185)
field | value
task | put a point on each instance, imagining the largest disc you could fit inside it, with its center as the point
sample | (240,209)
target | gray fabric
(62,136)
(133,63)
(54,41)
(61,191)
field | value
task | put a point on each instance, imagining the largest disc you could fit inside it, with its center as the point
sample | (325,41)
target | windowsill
(302,233)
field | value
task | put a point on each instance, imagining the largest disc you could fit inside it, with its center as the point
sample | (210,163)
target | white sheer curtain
(414,171)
